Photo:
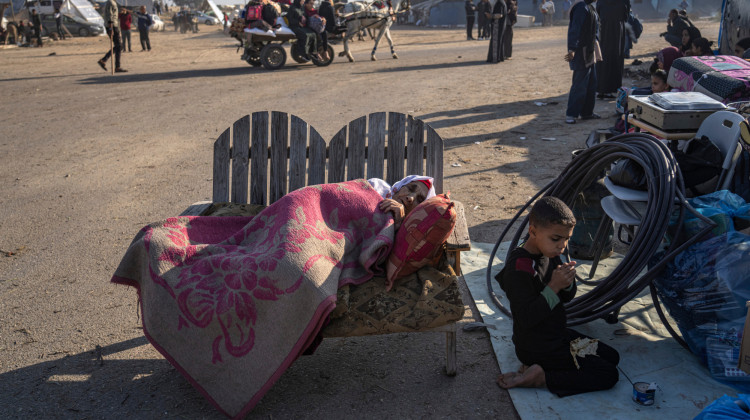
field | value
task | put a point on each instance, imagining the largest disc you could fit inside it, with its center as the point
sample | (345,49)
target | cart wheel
(323,63)
(273,57)
(295,54)
(254,61)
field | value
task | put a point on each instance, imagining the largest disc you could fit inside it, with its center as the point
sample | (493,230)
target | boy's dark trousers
(582,97)
(564,378)
(469,26)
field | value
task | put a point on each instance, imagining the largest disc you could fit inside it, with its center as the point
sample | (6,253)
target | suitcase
(645,109)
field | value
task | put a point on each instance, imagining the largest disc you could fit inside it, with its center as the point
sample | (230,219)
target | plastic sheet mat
(647,352)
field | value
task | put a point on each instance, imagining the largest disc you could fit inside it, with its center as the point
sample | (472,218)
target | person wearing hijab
(582,31)
(307,39)
(666,56)
(688,35)
(497,19)
(612,14)
(401,198)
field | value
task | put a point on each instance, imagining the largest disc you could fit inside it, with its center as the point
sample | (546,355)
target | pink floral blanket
(231,302)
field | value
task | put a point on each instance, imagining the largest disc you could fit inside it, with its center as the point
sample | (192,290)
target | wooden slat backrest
(396,134)
(281,153)
(259,185)
(279,143)
(376,145)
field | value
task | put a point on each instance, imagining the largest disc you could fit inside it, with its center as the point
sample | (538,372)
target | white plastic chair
(626,205)
(723,129)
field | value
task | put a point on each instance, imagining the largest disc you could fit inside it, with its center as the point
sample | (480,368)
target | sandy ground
(87,159)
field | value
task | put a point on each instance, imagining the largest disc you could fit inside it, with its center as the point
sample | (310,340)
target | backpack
(700,165)
(636,24)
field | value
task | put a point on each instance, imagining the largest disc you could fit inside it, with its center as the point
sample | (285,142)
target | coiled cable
(666,193)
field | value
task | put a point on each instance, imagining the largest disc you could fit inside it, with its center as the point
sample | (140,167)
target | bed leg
(454,259)
(450,353)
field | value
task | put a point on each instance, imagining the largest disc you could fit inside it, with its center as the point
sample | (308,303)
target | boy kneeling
(537,284)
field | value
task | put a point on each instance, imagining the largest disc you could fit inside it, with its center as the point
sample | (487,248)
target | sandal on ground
(570,120)
(119,70)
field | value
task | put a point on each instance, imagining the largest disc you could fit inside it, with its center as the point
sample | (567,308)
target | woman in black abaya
(497,19)
(612,17)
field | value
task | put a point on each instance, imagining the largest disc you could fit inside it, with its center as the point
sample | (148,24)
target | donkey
(365,14)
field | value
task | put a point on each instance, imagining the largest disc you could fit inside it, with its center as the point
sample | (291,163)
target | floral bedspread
(231,302)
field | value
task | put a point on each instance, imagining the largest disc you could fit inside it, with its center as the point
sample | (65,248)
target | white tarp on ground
(647,352)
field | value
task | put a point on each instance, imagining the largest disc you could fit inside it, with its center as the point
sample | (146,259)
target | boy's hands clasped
(563,276)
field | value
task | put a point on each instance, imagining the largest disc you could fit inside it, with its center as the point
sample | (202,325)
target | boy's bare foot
(522,369)
(531,377)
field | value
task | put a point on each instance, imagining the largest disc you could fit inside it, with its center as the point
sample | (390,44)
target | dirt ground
(87,159)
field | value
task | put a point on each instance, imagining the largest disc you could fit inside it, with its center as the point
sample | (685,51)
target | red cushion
(420,239)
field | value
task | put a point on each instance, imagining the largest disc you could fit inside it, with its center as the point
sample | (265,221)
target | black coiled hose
(665,189)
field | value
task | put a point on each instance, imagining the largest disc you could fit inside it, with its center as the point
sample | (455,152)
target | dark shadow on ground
(98,381)
(120,386)
(551,114)
(18,79)
(182,74)
(426,67)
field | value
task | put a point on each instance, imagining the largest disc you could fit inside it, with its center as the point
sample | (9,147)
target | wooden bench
(265,155)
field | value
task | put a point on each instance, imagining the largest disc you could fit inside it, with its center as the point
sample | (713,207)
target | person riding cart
(307,39)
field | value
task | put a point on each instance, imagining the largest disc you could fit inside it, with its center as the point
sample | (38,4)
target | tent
(210,5)
(735,24)
(440,13)
(135,4)
(79,8)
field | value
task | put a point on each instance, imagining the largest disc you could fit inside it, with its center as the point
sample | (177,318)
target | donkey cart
(266,48)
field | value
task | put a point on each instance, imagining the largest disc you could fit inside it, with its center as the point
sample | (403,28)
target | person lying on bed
(401,198)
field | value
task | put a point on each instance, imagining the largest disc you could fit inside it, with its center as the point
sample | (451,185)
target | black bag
(629,174)
(700,165)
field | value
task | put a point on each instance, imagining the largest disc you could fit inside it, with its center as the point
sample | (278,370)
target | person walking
(483,28)
(144,23)
(509,22)
(126,21)
(498,16)
(582,44)
(59,24)
(113,30)
(470,9)
(613,14)
(37,22)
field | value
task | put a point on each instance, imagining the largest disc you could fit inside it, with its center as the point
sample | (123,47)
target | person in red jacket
(126,20)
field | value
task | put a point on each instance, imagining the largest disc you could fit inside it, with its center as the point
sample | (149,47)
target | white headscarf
(386,191)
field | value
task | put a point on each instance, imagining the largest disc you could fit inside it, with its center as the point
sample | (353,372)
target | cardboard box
(744,362)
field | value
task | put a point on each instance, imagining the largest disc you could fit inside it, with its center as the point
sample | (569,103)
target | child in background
(537,284)
(659,82)
(701,47)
